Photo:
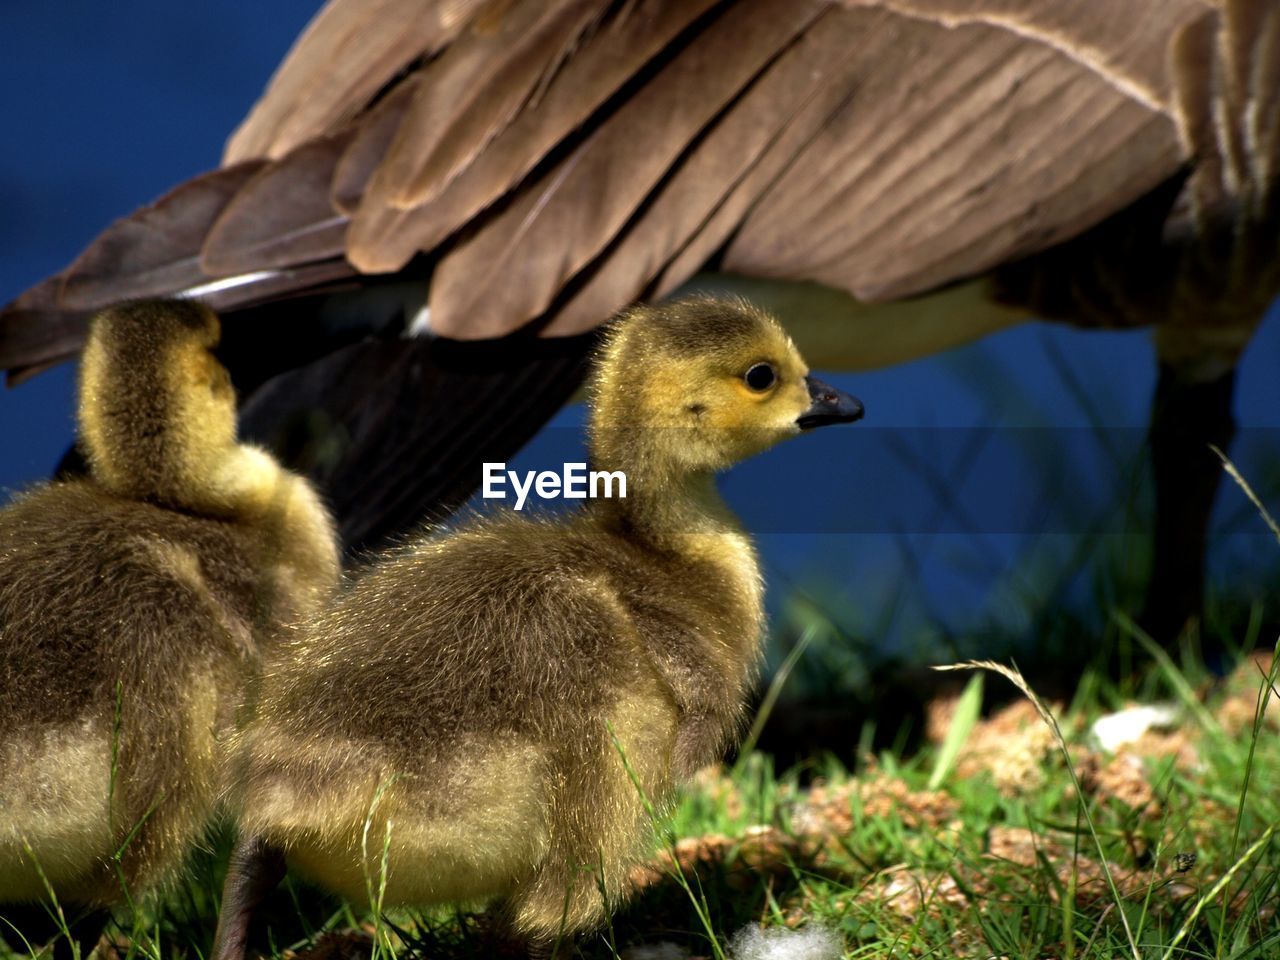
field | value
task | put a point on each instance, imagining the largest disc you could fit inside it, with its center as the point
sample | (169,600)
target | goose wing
(541,164)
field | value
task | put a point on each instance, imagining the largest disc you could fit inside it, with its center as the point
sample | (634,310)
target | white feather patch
(812,942)
(226,283)
(419,324)
(1127,726)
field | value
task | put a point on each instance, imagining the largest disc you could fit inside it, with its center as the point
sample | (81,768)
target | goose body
(469,701)
(133,604)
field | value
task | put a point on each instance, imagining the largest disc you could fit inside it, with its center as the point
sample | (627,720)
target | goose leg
(1187,416)
(256,868)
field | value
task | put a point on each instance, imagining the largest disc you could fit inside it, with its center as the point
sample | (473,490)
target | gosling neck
(671,511)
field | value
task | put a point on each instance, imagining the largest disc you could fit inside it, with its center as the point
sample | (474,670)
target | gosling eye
(761,377)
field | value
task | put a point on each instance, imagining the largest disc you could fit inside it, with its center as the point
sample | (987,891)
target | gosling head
(696,385)
(157,411)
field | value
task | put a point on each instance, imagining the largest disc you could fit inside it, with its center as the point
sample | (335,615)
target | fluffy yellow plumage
(467,700)
(133,604)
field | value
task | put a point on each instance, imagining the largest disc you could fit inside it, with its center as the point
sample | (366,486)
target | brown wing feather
(905,105)
(1243,23)
(512,268)
(377,130)
(384,238)
(34,330)
(605,116)
(914,195)
(1194,62)
(871,85)
(1126,152)
(283,216)
(1125,42)
(472,91)
(1227,67)
(37,333)
(776,161)
(349,52)
(1265,117)
(155,250)
(712,167)
(1249,46)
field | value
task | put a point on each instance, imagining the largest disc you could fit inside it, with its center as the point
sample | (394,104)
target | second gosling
(466,706)
(132,606)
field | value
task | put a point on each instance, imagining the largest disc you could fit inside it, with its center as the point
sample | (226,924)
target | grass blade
(968,710)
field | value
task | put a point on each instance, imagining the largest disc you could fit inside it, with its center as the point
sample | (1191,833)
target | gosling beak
(829,406)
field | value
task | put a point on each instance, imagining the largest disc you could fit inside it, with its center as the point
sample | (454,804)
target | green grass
(998,840)
(1041,869)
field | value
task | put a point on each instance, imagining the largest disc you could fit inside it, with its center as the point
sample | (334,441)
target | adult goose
(506,174)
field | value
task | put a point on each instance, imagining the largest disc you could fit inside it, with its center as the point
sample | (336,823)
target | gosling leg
(256,868)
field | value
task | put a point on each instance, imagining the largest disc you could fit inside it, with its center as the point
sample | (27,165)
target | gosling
(464,710)
(132,606)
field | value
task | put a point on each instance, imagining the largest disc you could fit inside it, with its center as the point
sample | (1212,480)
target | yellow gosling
(133,605)
(460,703)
